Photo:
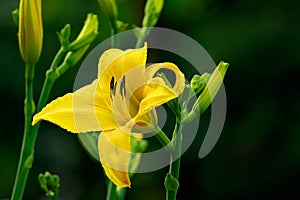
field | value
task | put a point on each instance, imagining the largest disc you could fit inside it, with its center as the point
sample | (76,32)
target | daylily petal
(155,94)
(106,58)
(114,153)
(118,67)
(79,111)
(179,82)
(124,90)
(147,123)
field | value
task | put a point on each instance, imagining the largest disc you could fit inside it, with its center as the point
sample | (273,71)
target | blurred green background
(258,153)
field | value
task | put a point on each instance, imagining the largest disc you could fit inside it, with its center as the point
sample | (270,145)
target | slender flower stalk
(27,152)
(152,12)
(171,179)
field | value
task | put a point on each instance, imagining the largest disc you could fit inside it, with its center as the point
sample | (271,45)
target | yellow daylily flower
(120,102)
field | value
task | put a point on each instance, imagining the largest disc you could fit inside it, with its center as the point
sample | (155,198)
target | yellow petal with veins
(179,82)
(106,58)
(155,92)
(114,153)
(154,95)
(78,112)
(118,65)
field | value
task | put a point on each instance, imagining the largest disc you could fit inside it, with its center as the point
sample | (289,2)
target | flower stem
(30,133)
(141,39)
(111,191)
(171,181)
(140,42)
(27,152)
(164,140)
(121,192)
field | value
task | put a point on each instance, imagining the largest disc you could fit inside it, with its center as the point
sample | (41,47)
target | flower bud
(213,85)
(78,47)
(49,183)
(30,30)
(152,11)
(64,36)
(109,8)
(87,34)
(199,82)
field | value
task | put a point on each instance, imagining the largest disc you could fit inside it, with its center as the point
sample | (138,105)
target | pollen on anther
(122,87)
(112,86)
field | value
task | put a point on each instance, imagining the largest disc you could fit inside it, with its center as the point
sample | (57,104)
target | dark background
(257,155)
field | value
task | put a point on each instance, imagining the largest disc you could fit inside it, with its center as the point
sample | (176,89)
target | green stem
(121,192)
(171,190)
(113,37)
(30,133)
(48,82)
(114,31)
(111,191)
(141,40)
(164,140)
(27,152)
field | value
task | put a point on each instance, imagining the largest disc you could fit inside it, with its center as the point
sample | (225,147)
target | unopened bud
(30,30)
(211,89)
(152,11)
(87,34)
(64,36)
(109,8)
(199,82)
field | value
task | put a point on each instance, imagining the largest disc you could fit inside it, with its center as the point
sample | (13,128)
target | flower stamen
(122,87)
(112,86)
